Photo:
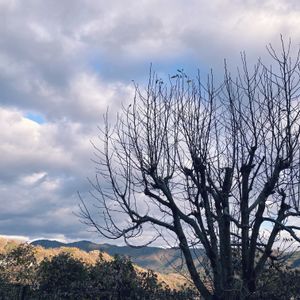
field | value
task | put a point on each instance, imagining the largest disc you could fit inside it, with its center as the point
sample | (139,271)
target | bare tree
(218,168)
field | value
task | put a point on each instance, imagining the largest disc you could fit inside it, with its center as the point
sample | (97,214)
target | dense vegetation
(66,277)
(278,282)
(25,275)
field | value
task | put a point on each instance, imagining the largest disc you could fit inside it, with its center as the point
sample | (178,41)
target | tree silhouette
(216,167)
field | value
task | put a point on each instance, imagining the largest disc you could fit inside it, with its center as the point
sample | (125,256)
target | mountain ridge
(172,279)
(162,260)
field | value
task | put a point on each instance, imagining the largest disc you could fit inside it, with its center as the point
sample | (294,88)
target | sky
(63,63)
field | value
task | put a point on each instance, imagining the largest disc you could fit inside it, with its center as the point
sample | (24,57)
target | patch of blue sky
(177,67)
(36,117)
(138,71)
(194,68)
(125,71)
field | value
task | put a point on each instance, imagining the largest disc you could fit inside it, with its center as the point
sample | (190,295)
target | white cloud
(16,237)
(34,178)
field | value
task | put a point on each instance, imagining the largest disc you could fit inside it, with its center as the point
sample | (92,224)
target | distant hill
(155,258)
(294,260)
(48,249)
(91,257)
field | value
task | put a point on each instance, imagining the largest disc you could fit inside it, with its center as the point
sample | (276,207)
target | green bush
(62,277)
(18,270)
(65,277)
(277,283)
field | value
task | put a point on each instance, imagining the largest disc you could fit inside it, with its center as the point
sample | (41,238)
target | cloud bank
(62,63)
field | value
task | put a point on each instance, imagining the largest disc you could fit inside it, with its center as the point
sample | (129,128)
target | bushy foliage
(278,282)
(18,272)
(65,277)
(117,277)
(62,276)
(120,278)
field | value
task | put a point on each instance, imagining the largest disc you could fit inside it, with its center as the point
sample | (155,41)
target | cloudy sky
(63,62)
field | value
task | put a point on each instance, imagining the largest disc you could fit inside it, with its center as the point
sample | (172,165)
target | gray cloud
(67,61)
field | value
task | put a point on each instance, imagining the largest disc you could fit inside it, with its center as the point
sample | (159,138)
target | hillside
(160,260)
(155,258)
(294,260)
(88,253)
(41,252)
(48,249)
